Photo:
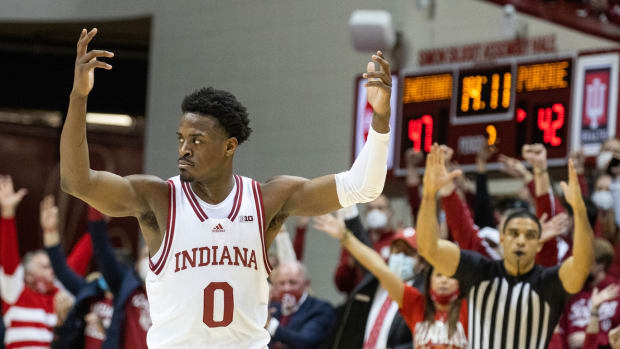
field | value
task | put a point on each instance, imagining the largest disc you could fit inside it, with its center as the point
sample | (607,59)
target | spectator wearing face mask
(378,235)
(606,226)
(580,308)
(370,317)
(131,318)
(436,317)
(298,319)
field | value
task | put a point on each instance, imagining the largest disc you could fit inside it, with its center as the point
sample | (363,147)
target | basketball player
(208,230)
(513,303)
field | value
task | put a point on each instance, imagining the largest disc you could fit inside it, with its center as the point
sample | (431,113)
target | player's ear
(231,146)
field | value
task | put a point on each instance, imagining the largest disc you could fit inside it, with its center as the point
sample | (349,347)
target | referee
(513,303)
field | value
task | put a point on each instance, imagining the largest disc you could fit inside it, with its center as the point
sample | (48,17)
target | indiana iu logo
(218,228)
(595,101)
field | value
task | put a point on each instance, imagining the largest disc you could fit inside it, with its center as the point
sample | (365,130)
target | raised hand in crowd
(597,298)
(614,338)
(413,159)
(9,198)
(63,302)
(601,296)
(485,153)
(302,222)
(515,168)
(579,159)
(556,226)
(330,224)
(48,217)
(535,155)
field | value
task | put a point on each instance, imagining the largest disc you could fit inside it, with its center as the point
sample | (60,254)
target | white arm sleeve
(364,181)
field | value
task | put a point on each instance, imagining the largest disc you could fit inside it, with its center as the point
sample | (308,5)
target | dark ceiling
(37,62)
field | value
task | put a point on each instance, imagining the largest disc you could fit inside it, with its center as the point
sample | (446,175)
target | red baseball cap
(408,235)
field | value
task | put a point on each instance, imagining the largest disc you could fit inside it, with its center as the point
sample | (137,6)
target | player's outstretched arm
(109,193)
(441,254)
(574,271)
(364,181)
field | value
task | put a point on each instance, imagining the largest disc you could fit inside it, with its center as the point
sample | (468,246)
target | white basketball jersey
(207,286)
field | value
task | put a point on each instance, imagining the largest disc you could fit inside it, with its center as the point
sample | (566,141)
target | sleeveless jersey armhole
(262,224)
(164,250)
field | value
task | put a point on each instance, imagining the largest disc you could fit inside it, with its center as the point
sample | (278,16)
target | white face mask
(603,199)
(603,159)
(402,265)
(142,268)
(376,219)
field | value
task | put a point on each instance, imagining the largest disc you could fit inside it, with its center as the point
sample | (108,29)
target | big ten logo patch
(246,218)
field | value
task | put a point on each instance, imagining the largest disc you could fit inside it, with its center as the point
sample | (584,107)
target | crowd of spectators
(49,300)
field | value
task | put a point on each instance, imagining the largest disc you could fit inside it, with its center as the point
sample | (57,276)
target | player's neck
(214,190)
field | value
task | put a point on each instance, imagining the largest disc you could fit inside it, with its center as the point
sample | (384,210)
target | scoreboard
(508,105)
(563,102)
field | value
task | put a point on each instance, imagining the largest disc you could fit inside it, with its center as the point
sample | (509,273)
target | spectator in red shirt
(579,311)
(437,318)
(27,285)
(593,338)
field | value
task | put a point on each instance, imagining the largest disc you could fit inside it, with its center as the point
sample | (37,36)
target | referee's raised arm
(442,254)
(575,270)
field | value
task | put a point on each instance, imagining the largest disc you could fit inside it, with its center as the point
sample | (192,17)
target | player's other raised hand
(86,62)
(379,85)
(435,174)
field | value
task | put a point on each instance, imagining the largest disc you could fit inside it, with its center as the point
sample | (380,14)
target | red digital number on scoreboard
(421,133)
(550,120)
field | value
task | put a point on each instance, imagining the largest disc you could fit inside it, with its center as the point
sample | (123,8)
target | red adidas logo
(218,228)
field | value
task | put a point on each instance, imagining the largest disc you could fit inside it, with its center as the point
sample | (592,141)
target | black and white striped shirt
(506,311)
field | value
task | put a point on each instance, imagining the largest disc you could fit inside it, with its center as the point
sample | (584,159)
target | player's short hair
(224,107)
(521,213)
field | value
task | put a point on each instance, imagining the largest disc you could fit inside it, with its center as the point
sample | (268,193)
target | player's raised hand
(86,62)
(379,85)
(9,198)
(572,190)
(435,174)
